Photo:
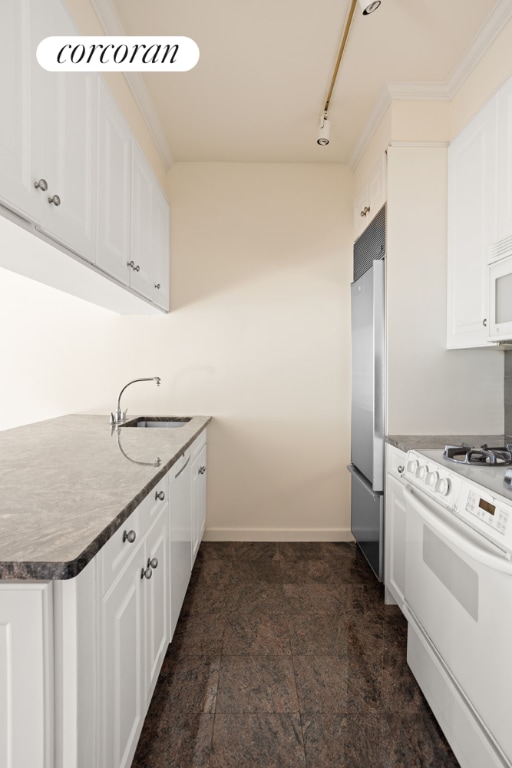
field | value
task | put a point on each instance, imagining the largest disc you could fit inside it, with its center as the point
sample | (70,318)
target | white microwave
(500,291)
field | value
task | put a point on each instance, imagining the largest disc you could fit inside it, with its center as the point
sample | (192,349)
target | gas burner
(484,456)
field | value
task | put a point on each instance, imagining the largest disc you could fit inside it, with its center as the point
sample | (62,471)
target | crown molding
(435,90)
(111,24)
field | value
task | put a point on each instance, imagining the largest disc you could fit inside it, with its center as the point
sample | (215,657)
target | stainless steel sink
(158,422)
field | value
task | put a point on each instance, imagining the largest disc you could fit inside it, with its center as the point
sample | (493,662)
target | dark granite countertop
(427,442)
(67,484)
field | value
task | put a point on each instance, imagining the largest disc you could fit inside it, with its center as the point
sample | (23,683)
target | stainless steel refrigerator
(368,394)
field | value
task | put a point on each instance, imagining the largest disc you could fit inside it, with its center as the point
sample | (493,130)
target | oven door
(500,300)
(458,592)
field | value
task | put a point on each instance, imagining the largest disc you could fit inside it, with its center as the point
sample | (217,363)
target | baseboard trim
(278,534)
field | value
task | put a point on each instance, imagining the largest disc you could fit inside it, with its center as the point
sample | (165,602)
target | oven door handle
(483,555)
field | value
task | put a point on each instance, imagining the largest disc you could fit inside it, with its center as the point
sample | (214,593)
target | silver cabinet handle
(146,573)
(159,495)
(137,268)
(55,200)
(42,184)
(152,562)
(365,210)
(129,536)
(202,470)
(182,469)
(400,469)
(157,286)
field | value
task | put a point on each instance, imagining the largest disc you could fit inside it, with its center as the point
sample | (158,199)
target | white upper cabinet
(71,166)
(149,262)
(472,227)
(64,139)
(114,188)
(371,198)
(16,180)
(48,134)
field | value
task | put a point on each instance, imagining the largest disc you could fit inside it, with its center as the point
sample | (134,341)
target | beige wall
(431,390)
(259,338)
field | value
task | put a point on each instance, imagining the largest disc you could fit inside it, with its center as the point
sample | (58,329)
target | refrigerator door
(367,521)
(368,375)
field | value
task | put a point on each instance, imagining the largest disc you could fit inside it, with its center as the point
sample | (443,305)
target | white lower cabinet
(198,491)
(80,658)
(26,698)
(394,527)
(134,628)
(180,534)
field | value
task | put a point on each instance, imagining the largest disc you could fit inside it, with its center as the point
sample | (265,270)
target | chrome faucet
(120,415)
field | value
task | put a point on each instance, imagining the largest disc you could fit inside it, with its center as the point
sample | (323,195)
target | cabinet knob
(152,562)
(484,322)
(129,536)
(137,268)
(130,264)
(54,200)
(42,184)
(400,469)
(146,573)
(365,210)
(202,470)
(157,286)
(159,495)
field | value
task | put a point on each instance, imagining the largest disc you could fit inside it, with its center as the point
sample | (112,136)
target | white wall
(259,338)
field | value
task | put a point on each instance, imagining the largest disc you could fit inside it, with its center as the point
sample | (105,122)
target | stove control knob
(412,466)
(443,486)
(431,479)
(421,472)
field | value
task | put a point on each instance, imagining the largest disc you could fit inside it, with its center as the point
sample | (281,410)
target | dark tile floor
(286,657)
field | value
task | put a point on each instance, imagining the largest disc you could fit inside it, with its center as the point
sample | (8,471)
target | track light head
(323,131)
(369,7)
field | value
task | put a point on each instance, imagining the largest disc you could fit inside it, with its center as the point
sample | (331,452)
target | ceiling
(258,90)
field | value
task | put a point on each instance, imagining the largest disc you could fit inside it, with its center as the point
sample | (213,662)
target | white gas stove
(458,593)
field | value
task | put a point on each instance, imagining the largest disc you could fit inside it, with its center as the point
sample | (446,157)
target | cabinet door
(160,232)
(156,599)
(19,120)
(395,521)
(114,188)
(150,234)
(122,638)
(64,153)
(180,535)
(26,703)
(198,501)
(471,228)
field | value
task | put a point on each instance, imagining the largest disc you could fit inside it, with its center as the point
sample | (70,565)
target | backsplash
(508,392)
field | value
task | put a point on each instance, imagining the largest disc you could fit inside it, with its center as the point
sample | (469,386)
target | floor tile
(257,633)
(258,741)
(187,685)
(344,741)
(252,684)
(199,635)
(181,741)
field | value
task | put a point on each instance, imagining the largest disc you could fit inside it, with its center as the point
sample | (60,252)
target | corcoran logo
(117,54)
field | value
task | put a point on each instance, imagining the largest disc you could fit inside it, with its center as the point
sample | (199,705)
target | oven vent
(371,245)
(500,249)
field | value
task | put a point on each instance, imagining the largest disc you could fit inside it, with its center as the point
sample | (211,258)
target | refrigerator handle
(379,392)
(363,480)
